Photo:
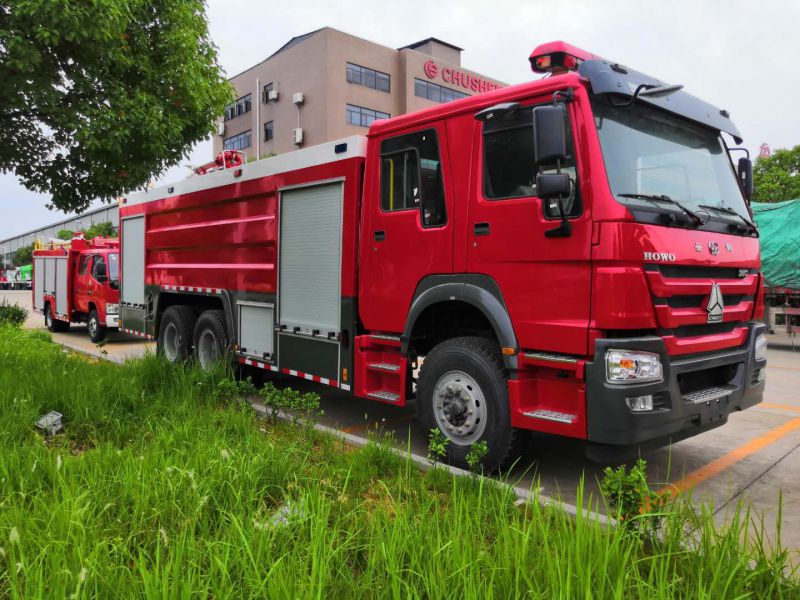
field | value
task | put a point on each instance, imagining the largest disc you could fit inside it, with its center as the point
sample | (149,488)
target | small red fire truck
(573,255)
(78,282)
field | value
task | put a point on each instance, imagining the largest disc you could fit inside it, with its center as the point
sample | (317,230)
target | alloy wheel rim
(171,342)
(459,407)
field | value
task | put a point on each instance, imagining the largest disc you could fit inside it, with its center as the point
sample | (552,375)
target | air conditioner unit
(272,96)
(298,98)
(297,136)
(220,127)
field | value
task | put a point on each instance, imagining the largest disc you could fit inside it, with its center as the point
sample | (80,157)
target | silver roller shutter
(133,260)
(311,258)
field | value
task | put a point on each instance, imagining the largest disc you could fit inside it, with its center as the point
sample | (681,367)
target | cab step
(552,415)
(384,396)
(388,367)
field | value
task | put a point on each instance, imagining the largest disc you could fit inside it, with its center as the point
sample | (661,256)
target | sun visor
(609,78)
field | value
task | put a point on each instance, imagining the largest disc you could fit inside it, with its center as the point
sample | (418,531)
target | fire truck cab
(78,282)
(573,255)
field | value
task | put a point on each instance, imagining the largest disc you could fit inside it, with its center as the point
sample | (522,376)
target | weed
(638,508)
(12,314)
(298,406)
(477,452)
(437,445)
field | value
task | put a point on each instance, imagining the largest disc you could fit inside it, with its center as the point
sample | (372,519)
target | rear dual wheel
(211,341)
(182,333)
(54,325)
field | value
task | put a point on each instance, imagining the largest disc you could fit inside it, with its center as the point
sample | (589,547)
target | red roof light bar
(558,57)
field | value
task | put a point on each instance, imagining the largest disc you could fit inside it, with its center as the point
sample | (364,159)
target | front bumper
(732,378)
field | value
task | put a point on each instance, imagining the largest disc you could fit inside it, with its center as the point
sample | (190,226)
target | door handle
(90,292)
(380,235)
(481,228)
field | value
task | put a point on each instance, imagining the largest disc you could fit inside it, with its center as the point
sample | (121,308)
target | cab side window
(509,170)
(83,267)
(99,268)
(411,176)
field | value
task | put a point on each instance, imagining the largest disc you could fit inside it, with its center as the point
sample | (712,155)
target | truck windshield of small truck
(652,152)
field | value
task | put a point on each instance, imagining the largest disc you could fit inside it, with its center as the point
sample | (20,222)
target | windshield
(649,151)
(113,267)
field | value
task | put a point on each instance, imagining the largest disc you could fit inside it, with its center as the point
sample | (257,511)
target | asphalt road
(753,457)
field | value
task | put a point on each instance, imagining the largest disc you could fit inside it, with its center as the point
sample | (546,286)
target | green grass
(160,487)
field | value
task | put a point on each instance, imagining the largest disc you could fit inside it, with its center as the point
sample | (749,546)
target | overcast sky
(741,56)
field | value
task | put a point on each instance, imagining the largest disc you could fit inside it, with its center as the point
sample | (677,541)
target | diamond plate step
(552,415)
(383,395)
(709,394)
(389,367)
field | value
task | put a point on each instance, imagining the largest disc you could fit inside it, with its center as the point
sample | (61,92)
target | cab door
(83,282)
(408,231)
(545,279)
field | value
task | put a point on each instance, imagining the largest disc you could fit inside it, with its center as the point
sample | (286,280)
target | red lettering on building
(459,78)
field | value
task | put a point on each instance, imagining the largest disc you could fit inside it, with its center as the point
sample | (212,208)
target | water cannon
(558,57)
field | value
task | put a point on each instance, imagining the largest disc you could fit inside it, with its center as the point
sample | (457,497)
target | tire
(211,341)
(175,333)
(53,325)
(467,373)
(97,332)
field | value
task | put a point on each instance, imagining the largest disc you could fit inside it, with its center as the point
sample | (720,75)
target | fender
(480,291)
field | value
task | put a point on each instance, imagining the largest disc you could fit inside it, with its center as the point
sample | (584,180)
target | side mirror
(744,171)
(549,133)
(553,185)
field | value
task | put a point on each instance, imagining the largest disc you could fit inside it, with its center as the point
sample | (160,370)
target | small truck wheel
(54,325)
(463,392)
(175,333)
(97,332)
(210,338)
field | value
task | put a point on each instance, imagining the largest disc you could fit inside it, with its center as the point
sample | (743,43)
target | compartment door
(38,283)
(62,286)
(309,287)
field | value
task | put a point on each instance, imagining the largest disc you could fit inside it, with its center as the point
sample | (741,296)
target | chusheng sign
(459,78)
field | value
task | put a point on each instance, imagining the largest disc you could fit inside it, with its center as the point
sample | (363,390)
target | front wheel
(463,392)
(97,332)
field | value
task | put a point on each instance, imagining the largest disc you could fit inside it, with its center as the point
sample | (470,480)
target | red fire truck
(573,255)
(78,282)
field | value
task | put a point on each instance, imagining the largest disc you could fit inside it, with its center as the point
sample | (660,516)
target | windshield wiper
(695,218)
(750,227)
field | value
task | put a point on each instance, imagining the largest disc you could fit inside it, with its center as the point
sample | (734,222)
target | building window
(265,94)
(509,169)
(368,77)
(268,133)
(239,142)
(240,107)
(411,176)
(363,117)
(437,93)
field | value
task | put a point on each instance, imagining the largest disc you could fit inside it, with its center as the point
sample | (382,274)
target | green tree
(105,229)
(777,177)
(97,97)
(23,256)
(65,234)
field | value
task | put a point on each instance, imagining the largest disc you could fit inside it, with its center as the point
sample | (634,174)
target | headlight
(626,366)
(761,347)
(112,309)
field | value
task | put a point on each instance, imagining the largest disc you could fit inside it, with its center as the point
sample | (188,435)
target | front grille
(694,381)
(702,272)
(695,301)
(707,329)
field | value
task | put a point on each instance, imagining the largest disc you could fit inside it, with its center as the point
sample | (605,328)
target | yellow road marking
(716,467)
(778,406)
